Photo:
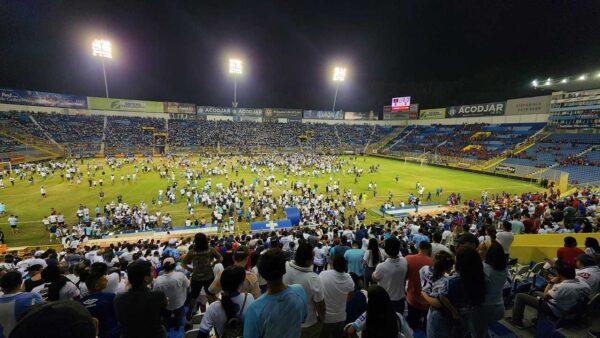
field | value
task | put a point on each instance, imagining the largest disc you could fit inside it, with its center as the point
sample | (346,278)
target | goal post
(418,160)
(6,165)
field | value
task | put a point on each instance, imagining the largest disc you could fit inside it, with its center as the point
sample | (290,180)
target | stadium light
(582,77)
(339,75)
(534,83)
(598,75)
(235,68)
(565,80)
(102,49)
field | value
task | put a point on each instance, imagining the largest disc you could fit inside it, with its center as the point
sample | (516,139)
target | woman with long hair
(203,259)
(492,307)
(380,320)
(591,246)
(228,313)
(371,258)
(450,312)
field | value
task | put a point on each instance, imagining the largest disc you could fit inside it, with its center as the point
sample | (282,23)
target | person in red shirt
(569,252)
(417,305)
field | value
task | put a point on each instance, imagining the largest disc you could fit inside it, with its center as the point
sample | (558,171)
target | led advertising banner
(248,111)
(352,115)
(101,103)
(283,113)
(402,115)
(35,98)
(474,110)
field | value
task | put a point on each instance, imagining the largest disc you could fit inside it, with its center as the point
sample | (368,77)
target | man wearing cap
(588,271)
(250,285)
(174,284)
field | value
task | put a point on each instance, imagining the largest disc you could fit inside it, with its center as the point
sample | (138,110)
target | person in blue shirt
(14,303)
(281,311)
(354,257)
(100,304)
(420,236)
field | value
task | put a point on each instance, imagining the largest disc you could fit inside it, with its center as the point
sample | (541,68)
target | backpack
(235,326)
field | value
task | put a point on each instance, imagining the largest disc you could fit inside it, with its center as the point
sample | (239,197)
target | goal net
(418,160)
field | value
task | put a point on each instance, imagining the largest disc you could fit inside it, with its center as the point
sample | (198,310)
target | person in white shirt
(338,289)
(299,271)
(391,274)
(56,286)
(588,271)
(174,284)
(437,245)
(505,237)
(232,304)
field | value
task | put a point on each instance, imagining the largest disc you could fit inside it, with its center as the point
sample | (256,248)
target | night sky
(439,52)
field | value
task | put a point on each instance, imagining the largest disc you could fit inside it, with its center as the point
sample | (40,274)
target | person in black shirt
(35,277)
(139,309)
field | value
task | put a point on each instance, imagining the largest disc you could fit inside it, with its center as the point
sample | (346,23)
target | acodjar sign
(472,110)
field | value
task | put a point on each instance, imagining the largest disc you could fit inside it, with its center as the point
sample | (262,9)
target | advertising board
(212,110)
(323,114)
(35,98)
(180,108)
(432,114)
(474,110)
(101,103)
(528,105)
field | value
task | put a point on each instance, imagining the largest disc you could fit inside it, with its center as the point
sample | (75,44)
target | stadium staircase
(394,135)
(49,147)
(370,138)
(35,122)
(103,143)
(539,136)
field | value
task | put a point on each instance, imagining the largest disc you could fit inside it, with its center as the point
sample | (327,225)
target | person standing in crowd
(391,274)
(371,258)
(380,320)
(203,258)
(417,305)
(338,289)
(174,284)
(569,252)
(56,286)
(505,237)
(227,315)
(450,313)
(437,245)
(357,304)
(14,303)
(250,285)
(320,260)
(592,247)
(100,304)
(139,310)
(562,293)
(281,311)
(299,271)
(354,257)
(496,274)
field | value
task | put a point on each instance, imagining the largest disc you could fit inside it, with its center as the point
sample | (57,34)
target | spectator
(588,272)
(391,274)
(203,258)
(496,274)
(380,320)
(250,285)
(372,257)
(281,311)
(358,302)
(569,252)
(174,284)
(56,286)
(437,245)
(227,315)
(354,257)
(320,259)
(299,271)
(14,303)
(100,304)
(505,237)
(338,289)
(139,309)
(562,293)
(591,246)
(417,305)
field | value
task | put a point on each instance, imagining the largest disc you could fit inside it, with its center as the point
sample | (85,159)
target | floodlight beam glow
(339,74)
(235,66)
(102,48)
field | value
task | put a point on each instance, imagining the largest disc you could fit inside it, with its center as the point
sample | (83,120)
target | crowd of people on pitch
(437,274)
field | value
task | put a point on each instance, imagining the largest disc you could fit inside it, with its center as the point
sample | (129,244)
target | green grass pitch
(26,202)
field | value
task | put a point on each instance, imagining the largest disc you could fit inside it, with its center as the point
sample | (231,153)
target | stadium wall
(529,118)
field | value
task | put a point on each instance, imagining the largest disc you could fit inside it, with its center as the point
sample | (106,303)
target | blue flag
(271,225)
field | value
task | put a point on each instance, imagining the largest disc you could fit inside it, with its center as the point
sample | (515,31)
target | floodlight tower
(339,75)
(102,49)
(235,68)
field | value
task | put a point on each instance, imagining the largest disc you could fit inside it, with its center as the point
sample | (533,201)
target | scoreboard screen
(401,103)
